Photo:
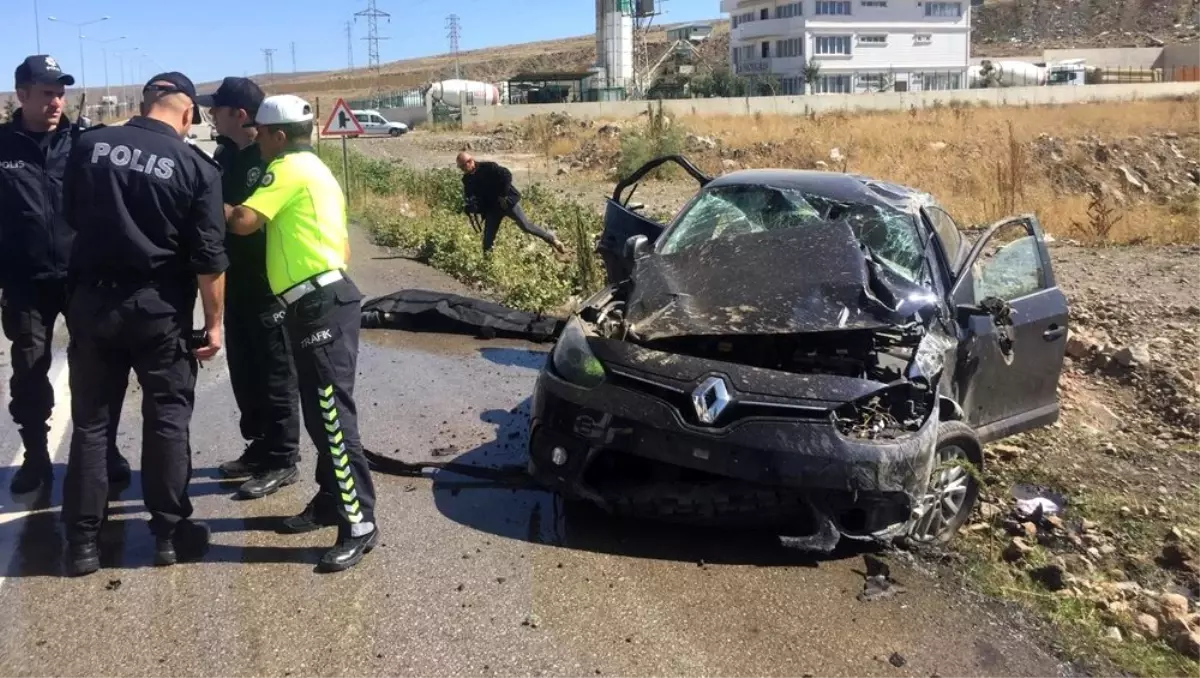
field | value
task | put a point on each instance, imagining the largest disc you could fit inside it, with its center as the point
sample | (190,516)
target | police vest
(306,219)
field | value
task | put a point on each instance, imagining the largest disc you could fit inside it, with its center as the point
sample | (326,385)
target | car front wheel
(953,485)
(394,132)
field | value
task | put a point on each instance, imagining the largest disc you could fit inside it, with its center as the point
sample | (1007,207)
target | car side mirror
(965,312)
(636,247)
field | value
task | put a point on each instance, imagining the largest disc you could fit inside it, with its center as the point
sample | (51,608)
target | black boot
(244,466)
(36,470)
(268,482)
(189,541)
(314,517)
(348,551)
(83,558)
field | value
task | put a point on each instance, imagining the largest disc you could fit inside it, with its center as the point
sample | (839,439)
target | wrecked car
(816,351)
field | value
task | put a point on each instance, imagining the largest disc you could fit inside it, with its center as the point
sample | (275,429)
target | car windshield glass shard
(727,212)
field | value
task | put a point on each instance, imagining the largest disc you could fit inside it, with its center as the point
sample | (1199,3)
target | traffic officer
(149,226)
(256,345)
(36,243)
(301,206)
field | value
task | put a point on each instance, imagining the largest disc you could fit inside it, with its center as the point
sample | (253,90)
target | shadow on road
(515,357)
(515,509)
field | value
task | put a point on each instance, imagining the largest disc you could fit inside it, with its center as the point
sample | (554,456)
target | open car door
(1015,321)
(621,222)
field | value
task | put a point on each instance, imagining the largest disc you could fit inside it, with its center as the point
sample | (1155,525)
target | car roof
(833,185)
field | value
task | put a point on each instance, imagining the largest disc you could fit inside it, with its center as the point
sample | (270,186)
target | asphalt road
(471,578)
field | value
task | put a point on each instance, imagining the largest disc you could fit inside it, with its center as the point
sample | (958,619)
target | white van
(374,124)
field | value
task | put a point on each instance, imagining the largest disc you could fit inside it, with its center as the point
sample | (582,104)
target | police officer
(147,211)
(256,345)
(301,206)
(35,243)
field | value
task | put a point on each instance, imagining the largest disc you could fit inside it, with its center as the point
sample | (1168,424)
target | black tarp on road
(429,311)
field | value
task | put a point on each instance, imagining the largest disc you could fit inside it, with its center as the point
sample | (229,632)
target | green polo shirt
(306,219)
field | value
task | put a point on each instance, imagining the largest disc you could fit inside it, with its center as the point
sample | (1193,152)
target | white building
(859,45)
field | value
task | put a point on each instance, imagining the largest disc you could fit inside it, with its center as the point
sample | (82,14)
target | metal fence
(405,99)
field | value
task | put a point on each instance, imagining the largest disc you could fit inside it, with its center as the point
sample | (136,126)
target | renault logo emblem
(710,399)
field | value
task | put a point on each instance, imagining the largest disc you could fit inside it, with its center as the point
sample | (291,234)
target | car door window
(1009,266)
(947,233)
(363,118)
(378,120)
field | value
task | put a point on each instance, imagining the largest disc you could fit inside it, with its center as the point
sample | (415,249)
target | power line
(453,25)
(373,15)
(269,55)
(349,46)
(293,56)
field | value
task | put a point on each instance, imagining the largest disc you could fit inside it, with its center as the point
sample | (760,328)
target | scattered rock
(1177,556)
(1030,530)
(989,511)
(897,660)
(1052,577)
(729,165)
(113,585)
(1173,605)
(1147,625)
(937,146)
(532,621)
(1016,550)
(1133,356)
(1055,523)
(1113,633)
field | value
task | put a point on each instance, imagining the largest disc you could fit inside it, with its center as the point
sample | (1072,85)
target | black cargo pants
(261,374)
(28,311)
(495,215)
(112,331)
(323,326)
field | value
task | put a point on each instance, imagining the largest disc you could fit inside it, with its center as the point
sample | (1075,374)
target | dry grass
(977,161)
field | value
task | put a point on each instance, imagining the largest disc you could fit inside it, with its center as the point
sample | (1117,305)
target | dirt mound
(1083,23)
(1160,165)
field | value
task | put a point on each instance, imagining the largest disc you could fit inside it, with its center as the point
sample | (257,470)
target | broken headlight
(573,359)
(890,413)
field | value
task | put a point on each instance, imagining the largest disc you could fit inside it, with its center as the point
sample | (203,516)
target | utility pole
(454,27)
(37,29)
(79,26)
(293,56)
(349,46)
(373,15)
(269,56)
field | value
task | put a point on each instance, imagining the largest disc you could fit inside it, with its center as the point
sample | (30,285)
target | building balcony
(755,67)
(769,28)
(729,6)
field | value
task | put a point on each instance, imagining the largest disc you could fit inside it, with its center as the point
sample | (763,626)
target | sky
(210,39)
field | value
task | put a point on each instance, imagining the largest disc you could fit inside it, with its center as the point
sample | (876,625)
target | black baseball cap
(41,69)
(235,92)
(174,81)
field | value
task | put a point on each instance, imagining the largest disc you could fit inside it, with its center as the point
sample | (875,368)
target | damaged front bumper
(630,446)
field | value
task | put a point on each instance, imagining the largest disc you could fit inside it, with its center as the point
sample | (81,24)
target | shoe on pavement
(348,551)
(31,476)
(84,558)
(118,469)
(308,520)
(264,483)
(189,542)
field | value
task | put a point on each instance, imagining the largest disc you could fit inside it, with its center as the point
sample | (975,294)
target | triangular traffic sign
(341,120)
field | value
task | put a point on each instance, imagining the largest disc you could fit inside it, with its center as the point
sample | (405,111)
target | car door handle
(1054,332)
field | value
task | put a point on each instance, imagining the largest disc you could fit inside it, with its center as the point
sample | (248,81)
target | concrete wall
(1180,56)
(1123,57)
(801,105)
(409,115)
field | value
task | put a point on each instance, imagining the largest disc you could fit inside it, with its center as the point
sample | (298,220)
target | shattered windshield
(726,212)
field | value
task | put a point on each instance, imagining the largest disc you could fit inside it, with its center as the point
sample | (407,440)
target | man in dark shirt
(150,230)
(35,243)
(256,344)
(489,192)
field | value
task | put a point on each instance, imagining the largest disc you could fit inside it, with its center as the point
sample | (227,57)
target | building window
(830,7)
(940,81)
(832,84)
(792,47)
(789,10)
(873,3)
(876,40)
(922,38)
(791,86)
(766,50)
(743,54)
(742,18)
(872,82)
(943,9)
(832,44)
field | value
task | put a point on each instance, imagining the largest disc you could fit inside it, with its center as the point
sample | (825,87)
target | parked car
(374,124)
(820,352)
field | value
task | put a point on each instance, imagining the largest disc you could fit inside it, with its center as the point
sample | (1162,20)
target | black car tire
(956,440)
(394,132)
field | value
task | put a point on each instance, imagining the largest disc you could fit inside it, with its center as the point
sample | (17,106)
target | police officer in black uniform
(256,343)
(35,243)
(150,228)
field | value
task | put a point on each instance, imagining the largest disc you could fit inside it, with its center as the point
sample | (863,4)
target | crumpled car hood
(794,281)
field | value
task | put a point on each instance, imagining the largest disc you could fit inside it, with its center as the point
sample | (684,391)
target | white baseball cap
(282,109)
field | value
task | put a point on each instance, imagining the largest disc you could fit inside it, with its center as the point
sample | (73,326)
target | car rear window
(727,212)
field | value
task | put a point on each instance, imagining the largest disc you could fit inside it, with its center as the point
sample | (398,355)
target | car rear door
(1007,375)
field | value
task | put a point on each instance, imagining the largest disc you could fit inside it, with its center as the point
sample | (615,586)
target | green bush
(521,271)
(661,137)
